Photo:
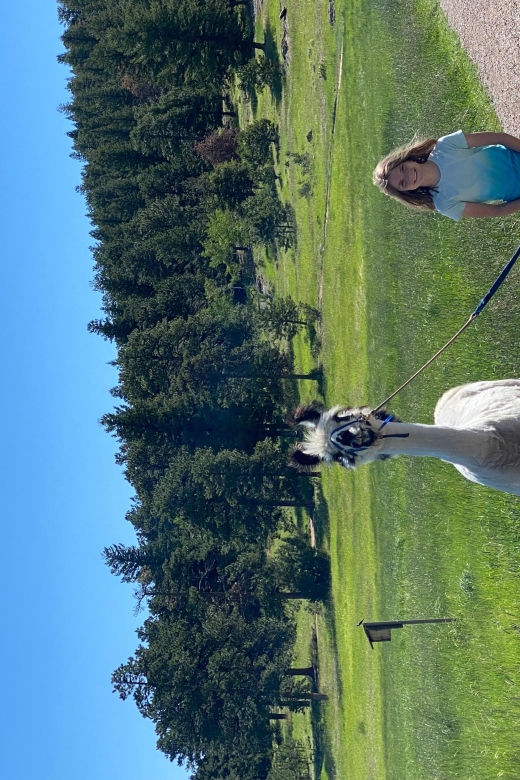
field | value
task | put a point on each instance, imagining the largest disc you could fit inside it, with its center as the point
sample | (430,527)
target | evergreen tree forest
(178,198)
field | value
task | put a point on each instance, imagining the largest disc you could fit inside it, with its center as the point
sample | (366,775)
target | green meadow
(408,538)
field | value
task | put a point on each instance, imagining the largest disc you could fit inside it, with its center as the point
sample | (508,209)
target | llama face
(353,435)
(345,436)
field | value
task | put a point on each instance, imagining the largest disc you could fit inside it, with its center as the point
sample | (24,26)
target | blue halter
(350,451)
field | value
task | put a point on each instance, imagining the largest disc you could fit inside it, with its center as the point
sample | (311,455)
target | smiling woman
(456,175)
(410,175)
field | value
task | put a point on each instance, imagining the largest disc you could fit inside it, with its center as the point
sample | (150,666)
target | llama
(477,428)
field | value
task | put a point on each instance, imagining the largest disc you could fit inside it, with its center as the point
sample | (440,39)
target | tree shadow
(323,757)
(292,396)
(313,336)
(319,376)
(327,751)
(324,753)
(249,96)
(271,52)
(305,491)
(316,375)
(321,517)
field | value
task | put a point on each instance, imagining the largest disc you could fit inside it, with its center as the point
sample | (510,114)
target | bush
(254,143)
(290,762)
(219,147)
(258,74)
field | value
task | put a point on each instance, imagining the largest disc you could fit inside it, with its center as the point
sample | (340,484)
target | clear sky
(67,623)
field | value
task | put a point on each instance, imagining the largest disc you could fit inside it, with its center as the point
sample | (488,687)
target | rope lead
(485,300)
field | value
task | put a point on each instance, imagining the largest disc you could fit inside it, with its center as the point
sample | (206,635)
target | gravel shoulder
(490,32)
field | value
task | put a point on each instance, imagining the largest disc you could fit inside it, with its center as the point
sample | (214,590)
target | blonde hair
(418,151)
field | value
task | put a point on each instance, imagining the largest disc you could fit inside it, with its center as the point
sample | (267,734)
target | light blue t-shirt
(478,175)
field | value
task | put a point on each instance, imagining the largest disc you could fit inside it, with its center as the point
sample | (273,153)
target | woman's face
(407,176)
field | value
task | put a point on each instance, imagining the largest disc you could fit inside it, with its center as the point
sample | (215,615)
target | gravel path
(490,33)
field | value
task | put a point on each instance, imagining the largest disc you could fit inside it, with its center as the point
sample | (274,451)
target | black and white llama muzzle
(353,436)
(339,435)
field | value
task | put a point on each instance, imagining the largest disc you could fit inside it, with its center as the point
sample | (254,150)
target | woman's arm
(488,139)
(480,210)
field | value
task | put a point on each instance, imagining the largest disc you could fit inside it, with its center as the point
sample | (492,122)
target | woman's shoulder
(447,205)
(456,140)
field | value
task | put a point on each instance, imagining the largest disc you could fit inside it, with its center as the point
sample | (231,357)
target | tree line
(177,197)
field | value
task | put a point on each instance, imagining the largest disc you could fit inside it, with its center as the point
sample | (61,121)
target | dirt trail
(490,32)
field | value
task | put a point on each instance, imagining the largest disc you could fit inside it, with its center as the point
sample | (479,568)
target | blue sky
(67,623)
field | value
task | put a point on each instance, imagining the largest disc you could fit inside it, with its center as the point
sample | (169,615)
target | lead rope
(485,300)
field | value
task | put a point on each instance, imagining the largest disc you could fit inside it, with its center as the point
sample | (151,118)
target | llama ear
(352,412)
(306,413)
(301,460)
(343,414)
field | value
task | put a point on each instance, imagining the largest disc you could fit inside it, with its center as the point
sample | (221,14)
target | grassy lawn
(409,538)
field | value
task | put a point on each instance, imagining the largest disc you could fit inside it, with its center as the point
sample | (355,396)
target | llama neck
(462,446)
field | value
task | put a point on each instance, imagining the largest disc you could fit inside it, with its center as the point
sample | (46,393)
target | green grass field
(409,538)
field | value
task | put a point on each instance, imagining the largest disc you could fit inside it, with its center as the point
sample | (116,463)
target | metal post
(382,630)
(427,620)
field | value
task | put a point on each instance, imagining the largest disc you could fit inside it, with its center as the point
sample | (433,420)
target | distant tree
(258,74)
(254,142)
(125,562)
(223,493)
(169,40)
(302,567)
(199,357)
(227,234)
(219,147)
(206,677)
(179,114)
(283,318)
(249,759)
(264,214)
(230,183)
(141,90)
(290,761)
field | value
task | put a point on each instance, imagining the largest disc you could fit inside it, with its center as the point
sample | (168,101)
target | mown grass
(409,538)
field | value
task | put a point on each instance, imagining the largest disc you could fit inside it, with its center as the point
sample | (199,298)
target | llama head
(348,436)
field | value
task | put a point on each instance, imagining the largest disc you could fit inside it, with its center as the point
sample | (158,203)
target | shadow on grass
(316,375)
(323,757)
(307,490)
(323,753)
(315,341)
(321,516)
(319,377)
(274,80)
(323,747)
(249,96)
(324,750)
(271,52)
